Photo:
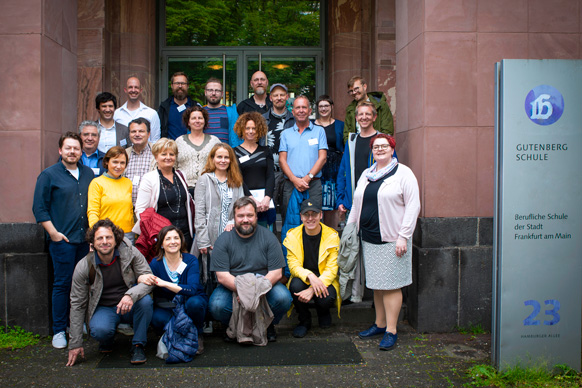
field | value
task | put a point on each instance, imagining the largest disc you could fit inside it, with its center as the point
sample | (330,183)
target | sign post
(537,279)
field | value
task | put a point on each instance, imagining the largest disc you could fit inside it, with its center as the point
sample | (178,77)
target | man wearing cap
(312,250)
(278,119)
(258,102)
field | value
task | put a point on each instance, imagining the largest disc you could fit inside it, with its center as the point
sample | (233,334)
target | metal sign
(537,286)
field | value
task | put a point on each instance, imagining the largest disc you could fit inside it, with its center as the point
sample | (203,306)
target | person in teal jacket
(357,88)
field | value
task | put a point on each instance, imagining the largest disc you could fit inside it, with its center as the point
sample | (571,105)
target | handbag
(191,202)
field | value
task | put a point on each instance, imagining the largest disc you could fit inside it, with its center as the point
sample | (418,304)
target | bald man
(258,102)
(134,108)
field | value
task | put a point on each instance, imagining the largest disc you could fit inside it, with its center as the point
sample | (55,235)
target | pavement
(419,360)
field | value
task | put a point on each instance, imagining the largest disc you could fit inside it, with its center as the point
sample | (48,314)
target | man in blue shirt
(302,154)
(60,206)
(91,156)
(171,109)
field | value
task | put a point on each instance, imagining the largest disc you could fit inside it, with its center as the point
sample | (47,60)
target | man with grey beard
(259,101)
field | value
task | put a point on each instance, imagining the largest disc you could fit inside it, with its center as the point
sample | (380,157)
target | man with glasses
(134,108)
(171,109)
(221,118)
(258,102)
(357,88)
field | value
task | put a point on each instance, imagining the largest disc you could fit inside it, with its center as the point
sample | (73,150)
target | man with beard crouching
(249,248)
(105,292)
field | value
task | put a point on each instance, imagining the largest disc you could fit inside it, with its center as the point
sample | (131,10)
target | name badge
(95,170)
(182,108)
(135,180)
(245,158)
(123,142)
(313,142)
(181,268)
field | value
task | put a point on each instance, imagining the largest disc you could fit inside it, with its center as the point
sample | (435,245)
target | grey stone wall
(451,274)
(24,278)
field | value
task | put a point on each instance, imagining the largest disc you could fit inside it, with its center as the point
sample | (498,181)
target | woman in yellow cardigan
(312,250)
(110,193)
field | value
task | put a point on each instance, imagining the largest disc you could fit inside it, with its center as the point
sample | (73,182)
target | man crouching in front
(105,292)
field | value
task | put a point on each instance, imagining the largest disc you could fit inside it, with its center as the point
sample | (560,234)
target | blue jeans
(65,257)
(195,308)
(105,320)
(279,299)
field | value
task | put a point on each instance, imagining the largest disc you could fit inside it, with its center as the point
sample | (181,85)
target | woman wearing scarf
(386,206)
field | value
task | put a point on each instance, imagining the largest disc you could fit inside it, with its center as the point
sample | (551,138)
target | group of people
(179,204)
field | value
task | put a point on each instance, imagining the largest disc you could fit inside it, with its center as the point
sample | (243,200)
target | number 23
(531,321)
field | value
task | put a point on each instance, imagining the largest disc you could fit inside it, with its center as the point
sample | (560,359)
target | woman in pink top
(386,205)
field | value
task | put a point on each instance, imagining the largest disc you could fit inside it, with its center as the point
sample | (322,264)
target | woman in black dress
(334,131)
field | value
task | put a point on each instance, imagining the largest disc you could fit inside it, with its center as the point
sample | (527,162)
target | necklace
(176,190)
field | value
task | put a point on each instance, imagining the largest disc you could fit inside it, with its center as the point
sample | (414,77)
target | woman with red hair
(386,206)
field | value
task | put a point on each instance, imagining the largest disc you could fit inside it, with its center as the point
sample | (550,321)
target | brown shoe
(200,344)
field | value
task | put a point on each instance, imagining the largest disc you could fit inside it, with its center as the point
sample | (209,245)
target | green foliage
(561,376)
(16,338)
(242,23)
(472,329)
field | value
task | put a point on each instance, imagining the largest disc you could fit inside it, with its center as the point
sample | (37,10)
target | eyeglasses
(212,91)
(180,83)
(310,214)
(380,147)
(354,90)
(324,106)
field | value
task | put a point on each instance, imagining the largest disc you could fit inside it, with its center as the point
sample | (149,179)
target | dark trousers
(322,305)
(315,194)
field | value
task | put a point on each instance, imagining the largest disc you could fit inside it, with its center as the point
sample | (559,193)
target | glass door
(301,73)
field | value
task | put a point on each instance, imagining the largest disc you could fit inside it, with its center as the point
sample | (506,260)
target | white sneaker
(207,329)
(125,329)
(60,340)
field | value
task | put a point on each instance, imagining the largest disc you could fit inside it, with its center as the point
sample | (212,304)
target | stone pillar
(117,39)
(445,56)
(361,41)
(38,77)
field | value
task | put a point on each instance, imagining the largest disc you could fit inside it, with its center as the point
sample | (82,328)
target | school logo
(544,105)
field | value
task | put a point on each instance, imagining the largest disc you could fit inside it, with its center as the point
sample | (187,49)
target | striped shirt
(217,123)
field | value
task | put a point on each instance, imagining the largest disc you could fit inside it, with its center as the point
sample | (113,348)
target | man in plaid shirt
(140,154)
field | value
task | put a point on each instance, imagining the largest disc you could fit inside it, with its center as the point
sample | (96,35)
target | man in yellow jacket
(312,250)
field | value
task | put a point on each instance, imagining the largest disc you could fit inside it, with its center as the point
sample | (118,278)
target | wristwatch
(310,175)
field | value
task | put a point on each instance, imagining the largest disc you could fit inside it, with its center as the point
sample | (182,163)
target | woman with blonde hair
(166,190)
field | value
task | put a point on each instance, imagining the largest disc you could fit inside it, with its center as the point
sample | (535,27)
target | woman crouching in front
(176,272)
(386,206)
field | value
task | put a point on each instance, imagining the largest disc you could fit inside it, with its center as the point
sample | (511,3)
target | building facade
(434,60)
